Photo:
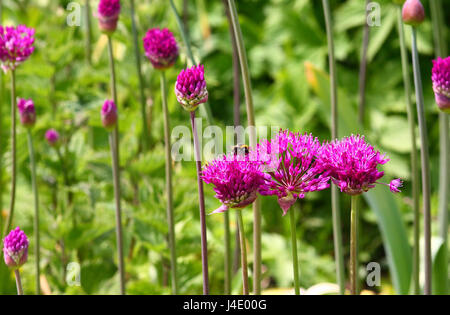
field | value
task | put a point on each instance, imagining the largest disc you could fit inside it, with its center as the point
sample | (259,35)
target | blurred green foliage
(283,39)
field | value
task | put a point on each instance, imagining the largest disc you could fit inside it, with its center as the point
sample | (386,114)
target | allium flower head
(190,88)
(16,45)
(109,114)
(352,164)
(108,14)
(27,112)
(52,137)
(413,12)
(15,248)
(290,163)
(160,48)
(236,180)
(441,83)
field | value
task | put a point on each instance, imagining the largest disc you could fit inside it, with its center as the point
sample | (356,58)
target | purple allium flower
(290,160)
(413,12)
(352,164)
(52,137)
(15,248)
(109,114)
(190,88)
(395,185)
(160,48)
(16,45)
(27,112)
(441,83)
(236,180)
(108,14)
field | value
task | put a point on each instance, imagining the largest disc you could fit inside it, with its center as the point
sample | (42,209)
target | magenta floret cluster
(109,114)
(236,180)
(290,162)
(160,48)
(16,45)
(15,248)
(190,87)
(441,82)
(109,8)
(52,137)
(352,164)
(27,112)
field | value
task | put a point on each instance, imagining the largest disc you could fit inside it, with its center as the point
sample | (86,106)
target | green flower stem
(13,154)
(252,137)
(294,251)
(425,163)
(414,166)
(363,69)
(114,143)
(187,44)
(145,130)
(88,30)
(243,254)
(237,118)
(444,173)
(335,209)
(2,143)
(18,282)
(227,258)
(170,214)
(37,246)
(353,245)
(201,197)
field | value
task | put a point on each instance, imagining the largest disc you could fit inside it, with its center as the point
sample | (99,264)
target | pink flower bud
(52,137)
(109,114)
(160,48)
(27,112)
(108,15)
(413,12)
(15,248)
(441,83)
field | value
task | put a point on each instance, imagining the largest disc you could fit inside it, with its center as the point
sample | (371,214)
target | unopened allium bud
(16,45)
(109,114)
(15,248)
(160,48)
(413,12)
(441,83)
(27,112)
(108,14)
(52,137)
(190,88)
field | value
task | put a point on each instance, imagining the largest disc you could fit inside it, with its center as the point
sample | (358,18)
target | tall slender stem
(245,73)
(335,209)
(206,110)
(294,251)
(363,69)
(353,245)
(414,166)
(243,254)
(425,163)
(36,211)
(236,118)
(18,282)
(88,38)
(13,154)
(201,197)
(444,174)
(145,130)
(114,144)
(170,214)
(2,145)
